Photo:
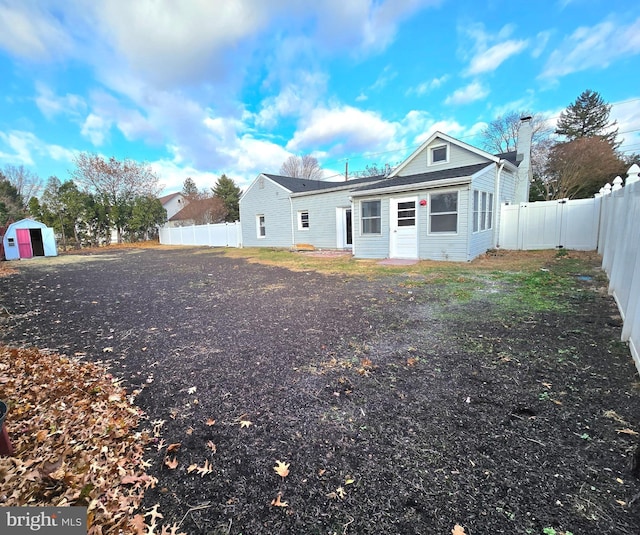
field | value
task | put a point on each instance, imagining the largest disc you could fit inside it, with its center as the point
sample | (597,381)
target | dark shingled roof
(509,156)
(300,185)
(398,181)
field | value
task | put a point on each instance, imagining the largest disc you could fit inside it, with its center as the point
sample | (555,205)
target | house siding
(322,232)
(451,247)
(272,201)
(482,240)
(458,157)
(371,245)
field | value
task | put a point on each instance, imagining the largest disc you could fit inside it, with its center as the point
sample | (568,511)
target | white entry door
(403,240)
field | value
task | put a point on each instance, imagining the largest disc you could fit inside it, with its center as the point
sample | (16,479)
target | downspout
(496,206)
(293,237)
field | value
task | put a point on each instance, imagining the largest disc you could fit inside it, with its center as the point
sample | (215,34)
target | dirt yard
(406,402)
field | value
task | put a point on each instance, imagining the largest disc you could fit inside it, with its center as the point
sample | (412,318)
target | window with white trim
(482,211)
(439,154)
(260,226)
(371,217)
(303,220)
(443,212)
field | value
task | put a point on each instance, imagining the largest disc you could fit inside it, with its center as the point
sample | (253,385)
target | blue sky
(197,88)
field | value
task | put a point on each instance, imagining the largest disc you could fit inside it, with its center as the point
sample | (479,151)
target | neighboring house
(198,212)
(441,203)
(28,238)
(173,203)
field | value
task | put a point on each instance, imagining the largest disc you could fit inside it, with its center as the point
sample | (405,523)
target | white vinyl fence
(610,223)
(218,235)
(619,246)
(570,224)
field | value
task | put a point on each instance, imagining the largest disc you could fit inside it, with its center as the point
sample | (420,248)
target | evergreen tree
(11,202)
(226,189)
(588,116)
(189,189)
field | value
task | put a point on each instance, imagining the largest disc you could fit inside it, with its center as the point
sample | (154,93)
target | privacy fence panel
(218,235)
(620,249)
(571,224)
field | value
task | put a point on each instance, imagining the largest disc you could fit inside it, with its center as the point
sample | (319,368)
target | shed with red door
(28,238)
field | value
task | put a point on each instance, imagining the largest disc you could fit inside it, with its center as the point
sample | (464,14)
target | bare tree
(579,168)
(117,182)
(26,182)
(501,134)
(302,167)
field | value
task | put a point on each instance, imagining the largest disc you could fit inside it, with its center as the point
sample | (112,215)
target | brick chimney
(523,158)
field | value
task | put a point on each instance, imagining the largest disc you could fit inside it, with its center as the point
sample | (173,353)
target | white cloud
(627,114)
(96,129)
(594,47)
(20,148)
(465,95)
(490,59)
(30,31)
(52,105)
(295,99)
(540,43)
(428,86)
(343,129)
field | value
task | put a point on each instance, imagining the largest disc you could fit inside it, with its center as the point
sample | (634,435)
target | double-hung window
(371,217)
(482,211)
(261,227)
(303,220)
(443,212)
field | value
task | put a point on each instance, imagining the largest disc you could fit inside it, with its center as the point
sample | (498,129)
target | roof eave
(457,181)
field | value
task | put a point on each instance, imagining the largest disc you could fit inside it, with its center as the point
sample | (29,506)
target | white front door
(403,241)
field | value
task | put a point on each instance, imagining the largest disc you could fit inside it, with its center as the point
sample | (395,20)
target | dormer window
(439,154)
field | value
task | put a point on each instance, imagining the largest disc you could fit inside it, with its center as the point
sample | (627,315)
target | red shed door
(24,243)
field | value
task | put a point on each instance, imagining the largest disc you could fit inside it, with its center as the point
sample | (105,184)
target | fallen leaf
(153,513)
(282,469)
(321,472)
(41,435)
(174,446)
(192,390)
(245,423)
(210,422)
(212,446)
(192,468)
(349,481)
(205,469)
(189,431)
(278,503)
(621,502)
(412,361)
(627,431)
(619,480)
(107,350)
(340,493)
(548,385)
(458,530)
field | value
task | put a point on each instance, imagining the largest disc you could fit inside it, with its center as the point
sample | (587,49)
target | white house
(441,203)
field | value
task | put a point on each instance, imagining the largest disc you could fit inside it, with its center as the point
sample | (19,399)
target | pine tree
(226,189)
(588,116)
(189,189)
